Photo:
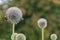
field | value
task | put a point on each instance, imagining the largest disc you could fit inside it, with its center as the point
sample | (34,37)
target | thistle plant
(14,15)
(53,37)
(20,37)
(42,23)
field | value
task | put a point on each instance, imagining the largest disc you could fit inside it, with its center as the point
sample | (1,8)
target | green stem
(53,39)
(13,31)
(42,33)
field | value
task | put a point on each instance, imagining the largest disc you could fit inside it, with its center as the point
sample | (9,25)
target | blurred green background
(32,11)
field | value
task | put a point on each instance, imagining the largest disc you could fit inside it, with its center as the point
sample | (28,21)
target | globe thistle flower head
(42,23)
(53,36)
(20,37)
(14,36)
(14,15)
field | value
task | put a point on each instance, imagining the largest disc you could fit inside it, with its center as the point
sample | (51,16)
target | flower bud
(42,23)
(53,36)
(20,37)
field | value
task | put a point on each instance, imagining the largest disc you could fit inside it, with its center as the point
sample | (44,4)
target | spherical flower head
(42,23)
(20,37)
(14,36)
(14,15)
(53,36)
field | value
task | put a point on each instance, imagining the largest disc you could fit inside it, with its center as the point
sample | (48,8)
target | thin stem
(42,33)
(53,39)
(13,31)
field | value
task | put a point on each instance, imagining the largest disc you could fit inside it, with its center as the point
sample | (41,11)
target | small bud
(53,36)
(42,23)
(20,37)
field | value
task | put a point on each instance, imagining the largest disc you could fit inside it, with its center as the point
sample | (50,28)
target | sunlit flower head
(14,36)
(53,36)
(42,23)
(20,37)
(14,15)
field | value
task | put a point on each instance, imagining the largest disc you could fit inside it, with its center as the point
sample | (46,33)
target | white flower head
(20,37)
(42,23)
(53,36)
(14,36)
(14,15)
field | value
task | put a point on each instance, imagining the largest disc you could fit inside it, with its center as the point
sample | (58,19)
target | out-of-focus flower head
(53,36)
(14,36)
(42,23)
(20,37)
(14,15)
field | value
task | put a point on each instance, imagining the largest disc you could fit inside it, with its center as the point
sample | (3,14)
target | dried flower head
(20,37)
(42,23)
(53,36)
(14,15)
(14,36)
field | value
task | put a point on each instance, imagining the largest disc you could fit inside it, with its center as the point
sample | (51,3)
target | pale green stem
(53,39)
(42,33)
(13,31)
